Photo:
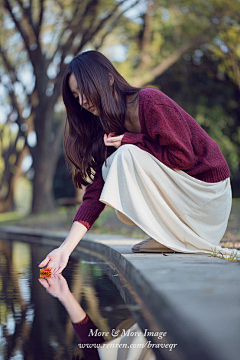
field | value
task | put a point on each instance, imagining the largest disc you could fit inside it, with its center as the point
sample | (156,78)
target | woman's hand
(56,259)
(113,140)
(56,286)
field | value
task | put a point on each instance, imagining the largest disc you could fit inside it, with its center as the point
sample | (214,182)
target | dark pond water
(35,325)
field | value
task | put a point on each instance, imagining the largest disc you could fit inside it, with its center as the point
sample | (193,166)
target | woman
(146,157)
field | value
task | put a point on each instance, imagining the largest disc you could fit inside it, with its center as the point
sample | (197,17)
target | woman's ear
(111,79)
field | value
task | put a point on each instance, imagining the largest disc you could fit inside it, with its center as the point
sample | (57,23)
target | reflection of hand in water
(57,286)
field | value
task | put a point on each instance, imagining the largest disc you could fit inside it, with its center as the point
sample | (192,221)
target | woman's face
(81,97)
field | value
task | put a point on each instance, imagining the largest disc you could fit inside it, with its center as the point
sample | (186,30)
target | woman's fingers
(58,269)
(112,140)
(44,262)
(105,138)
(115,138)
(44,283)
(60,277)
(54,265)
(112,137)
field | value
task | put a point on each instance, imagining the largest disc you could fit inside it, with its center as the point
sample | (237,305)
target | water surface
(34,324)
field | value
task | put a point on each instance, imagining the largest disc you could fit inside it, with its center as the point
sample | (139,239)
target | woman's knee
(123,155)
(127,152)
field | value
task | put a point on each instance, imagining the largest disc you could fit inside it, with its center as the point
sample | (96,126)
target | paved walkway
(194,298)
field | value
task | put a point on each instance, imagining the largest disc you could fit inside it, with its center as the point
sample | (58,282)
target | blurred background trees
(39,39)
(188,49)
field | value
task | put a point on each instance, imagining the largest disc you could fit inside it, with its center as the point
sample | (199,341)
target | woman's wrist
(73,308)
(75,235)
(65,298)
(67,246)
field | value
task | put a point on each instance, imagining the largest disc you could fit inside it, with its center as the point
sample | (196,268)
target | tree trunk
(45,156)
(7,204)
(43,199)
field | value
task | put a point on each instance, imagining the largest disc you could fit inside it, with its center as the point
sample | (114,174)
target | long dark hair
(83,137)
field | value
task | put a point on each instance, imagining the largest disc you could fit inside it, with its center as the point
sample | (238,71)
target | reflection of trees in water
(93,305)
(48,332)
(12,303)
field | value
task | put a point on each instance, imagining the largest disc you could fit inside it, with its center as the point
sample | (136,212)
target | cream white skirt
(180,212)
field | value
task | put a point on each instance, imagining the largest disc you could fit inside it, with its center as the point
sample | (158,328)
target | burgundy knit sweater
(171,135)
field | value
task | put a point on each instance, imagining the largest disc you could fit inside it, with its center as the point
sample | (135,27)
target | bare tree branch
(12,72)
(12,171)
(16,106)
(39,25)
(87,35)
(77,29)
(20,26)
(65,48)
(112,25)
(26,12)
(146,37)
(166,63)
(14,103)
(13,175)
(60,46)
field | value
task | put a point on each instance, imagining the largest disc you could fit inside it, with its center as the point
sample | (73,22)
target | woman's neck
(132,122)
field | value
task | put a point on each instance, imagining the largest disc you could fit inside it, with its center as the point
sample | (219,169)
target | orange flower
(46,273)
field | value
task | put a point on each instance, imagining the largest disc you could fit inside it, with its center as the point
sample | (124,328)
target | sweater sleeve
(91,207)
(168,136)
(87,333)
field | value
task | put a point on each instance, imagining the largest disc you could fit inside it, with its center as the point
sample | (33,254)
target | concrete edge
(141,290)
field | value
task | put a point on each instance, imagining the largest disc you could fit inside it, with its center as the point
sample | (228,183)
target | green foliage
(215,121)
(170,24)
(211,100)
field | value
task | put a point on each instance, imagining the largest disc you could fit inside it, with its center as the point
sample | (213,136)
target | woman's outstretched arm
(58,258)
(86,215)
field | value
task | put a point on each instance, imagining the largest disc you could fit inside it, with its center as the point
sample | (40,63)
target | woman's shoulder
(152,95)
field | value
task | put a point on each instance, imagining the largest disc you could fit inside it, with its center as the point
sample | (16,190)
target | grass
(108,223)
(10,216)
(61,220)
(231,257)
